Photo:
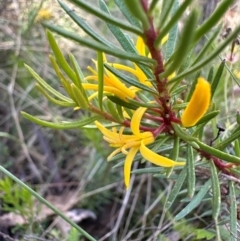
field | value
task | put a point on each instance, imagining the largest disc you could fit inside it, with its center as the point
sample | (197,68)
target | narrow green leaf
(84,26)
(55,67)
(195,201)
(184,45)
(100,65)
(99,47)
(207,59)
(61,125)
(179,106)
(130,80)
(187,61)
(233,212)
(173,155)
(47,86)
(176,188)
(55,101)
(210,75)
(178,90)
(136,9)
(79,74)
(9,136)
(117,32)
(217,77)
(142,104)
(165,10)
(121,102)
(120,111)
(113,111)
(237,147)
(148,170)
(191,178)
(216,198)
(206,118)
(213,19)
(79,97)
(96,12)
(60,58)
(173,33)
(152,6)
(131,19)
(174,19)
(208,44)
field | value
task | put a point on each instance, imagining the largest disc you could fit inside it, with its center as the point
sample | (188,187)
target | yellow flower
(43,14)
(198,103)
(111,84)
(131,144)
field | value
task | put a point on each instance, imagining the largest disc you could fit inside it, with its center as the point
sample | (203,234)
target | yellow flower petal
(140,46)
(164,40)
(198,103)
(128,164)
(136,119)
(157,159)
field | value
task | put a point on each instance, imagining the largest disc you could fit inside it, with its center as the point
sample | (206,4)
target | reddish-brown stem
(223,167)
(150,35)
(162,128)
(152,117)
(101,113)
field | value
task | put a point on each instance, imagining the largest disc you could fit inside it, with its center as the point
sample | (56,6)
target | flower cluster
(138,106)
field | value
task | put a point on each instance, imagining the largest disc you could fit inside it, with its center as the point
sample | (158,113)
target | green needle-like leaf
(206,118)
(47,86)
(176,188)
(208,44)
(79,97)
(61,125)
(79,74)
(60,58)
(124,9)
(55,101)
(191,178)
(216,199)
(113,111)
(217,77)
(185,43)
(98,13)
(174,19)
(100,78)
(98,46)
(121,102)
(142,104)
(84,26)
(210,75)
(233,212)
(195,201)
(165,12)
(136,9)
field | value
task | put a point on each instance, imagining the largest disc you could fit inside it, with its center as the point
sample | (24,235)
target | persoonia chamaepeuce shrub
(153,107)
